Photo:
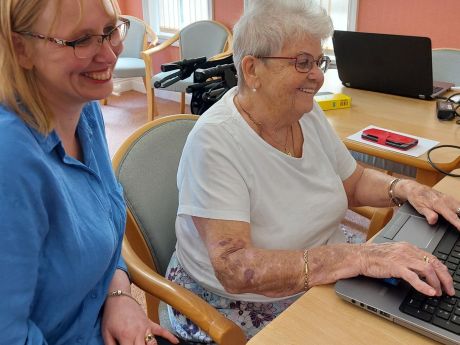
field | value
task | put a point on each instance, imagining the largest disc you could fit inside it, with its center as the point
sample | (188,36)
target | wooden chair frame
(147,55)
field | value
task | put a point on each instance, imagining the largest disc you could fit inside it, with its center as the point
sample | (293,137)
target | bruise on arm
(242,268)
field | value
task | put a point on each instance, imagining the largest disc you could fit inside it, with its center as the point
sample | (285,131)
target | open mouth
(100,75)
(308,91)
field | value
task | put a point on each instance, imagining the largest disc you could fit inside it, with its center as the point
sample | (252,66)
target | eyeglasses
(88,45)
(304,62)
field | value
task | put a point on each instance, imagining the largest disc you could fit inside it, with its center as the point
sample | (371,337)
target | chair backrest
(135,40)
(146,166)
(446,65)
(203,38)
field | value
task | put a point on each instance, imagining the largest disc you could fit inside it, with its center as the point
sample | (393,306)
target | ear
(22,51)
(250,67)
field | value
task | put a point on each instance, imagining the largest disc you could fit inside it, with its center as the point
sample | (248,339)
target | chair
(146,166)
(446,65)
(130,63)
(203,38)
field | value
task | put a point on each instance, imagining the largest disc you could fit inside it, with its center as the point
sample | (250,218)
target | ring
(426,259)
(458,212)
(148,338)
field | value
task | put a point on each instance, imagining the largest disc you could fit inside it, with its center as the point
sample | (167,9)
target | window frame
(151,12)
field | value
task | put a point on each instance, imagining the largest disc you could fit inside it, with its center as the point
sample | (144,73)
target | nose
(107,53)
(315,73)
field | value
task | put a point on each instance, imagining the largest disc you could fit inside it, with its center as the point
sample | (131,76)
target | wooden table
(320,317)
(403,114)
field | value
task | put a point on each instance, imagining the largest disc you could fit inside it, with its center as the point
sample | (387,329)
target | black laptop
(393,64)
(395,300)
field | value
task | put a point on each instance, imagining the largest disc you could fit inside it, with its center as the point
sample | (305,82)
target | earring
(253,89)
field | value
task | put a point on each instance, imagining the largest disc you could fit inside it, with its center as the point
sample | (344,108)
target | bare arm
(370,187)
(243,268)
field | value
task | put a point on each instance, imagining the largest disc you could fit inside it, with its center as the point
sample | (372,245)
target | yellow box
(333,101)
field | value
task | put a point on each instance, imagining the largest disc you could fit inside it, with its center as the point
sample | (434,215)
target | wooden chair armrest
(161,46)
(219,328)
(222,55)
(379,217)
(154,38)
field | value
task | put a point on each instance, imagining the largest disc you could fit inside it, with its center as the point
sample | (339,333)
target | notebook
(397,301)
(393,64)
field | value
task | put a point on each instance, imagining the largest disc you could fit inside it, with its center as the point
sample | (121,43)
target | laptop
(393,64)
(394,299)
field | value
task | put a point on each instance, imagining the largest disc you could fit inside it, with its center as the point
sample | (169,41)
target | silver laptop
(395,300)
(395,64)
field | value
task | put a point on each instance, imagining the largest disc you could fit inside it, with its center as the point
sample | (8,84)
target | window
(169,16)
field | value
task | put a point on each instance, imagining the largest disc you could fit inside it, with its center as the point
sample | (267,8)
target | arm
(124,320)
(243,268)
(370,187)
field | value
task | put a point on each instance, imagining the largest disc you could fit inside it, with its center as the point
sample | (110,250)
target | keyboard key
(447,242)
(416,303)
(451,266)
(430,309)
(446,307)
(453,260)
(455,254)
(443,314)
(450,326)
(457,311)
(419,314)
(434,301)
(441,256)
(449,300)
(455,319)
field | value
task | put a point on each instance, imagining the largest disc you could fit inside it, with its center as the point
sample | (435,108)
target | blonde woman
(62,211)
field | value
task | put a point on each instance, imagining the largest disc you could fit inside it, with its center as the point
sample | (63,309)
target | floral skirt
(250,316)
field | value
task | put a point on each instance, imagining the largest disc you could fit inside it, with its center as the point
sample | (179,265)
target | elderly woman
(62,211)
(264,182)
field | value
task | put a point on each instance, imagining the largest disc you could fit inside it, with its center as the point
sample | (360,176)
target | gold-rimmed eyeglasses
(304,62)
(88,45)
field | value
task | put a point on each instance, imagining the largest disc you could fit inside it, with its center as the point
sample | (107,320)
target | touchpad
(417,231)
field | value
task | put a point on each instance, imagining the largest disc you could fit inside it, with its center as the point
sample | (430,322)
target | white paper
(423,144)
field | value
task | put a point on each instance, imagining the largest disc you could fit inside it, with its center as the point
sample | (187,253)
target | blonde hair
(19,89)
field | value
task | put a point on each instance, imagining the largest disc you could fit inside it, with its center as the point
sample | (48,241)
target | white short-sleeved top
(227,171)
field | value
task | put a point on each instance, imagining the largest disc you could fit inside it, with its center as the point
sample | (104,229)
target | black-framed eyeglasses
(88,45)
(304,62)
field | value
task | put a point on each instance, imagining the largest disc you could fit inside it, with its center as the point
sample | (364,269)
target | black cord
(434,165)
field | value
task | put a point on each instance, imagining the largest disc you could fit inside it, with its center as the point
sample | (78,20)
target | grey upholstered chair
(203,38)
(146,166)
(446,65)
(130,63)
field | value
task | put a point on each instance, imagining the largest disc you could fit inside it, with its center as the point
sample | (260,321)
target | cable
(434,165)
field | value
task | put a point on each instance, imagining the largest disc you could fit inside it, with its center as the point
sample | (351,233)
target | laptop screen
(385,63)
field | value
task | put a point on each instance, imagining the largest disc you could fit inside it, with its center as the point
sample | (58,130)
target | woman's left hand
(430,203)
(125,322)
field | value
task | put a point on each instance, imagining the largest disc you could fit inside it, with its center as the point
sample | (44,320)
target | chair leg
(182,102)
(103,101)
(151,104)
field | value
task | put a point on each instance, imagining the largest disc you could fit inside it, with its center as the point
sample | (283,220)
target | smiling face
(64,79)
(286,90)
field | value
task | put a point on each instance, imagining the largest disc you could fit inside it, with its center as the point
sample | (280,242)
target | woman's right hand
(403,260)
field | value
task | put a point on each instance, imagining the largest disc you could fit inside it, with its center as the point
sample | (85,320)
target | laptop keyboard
(443,311)
(436,89)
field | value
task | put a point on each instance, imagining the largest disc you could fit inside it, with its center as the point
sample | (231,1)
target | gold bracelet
(306,283)
(118,293)
(391,193)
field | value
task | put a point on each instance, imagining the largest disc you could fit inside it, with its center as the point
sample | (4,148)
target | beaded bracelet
(391,193)
(118,293)
(306,283)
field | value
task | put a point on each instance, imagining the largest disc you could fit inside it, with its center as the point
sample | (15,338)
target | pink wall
(439,20)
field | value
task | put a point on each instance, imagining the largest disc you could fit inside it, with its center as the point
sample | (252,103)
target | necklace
(260,127)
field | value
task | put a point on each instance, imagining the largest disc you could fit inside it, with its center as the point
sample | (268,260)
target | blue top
(61,230)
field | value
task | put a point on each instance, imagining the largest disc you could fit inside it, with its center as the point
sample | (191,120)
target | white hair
(267,25)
